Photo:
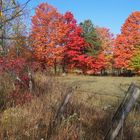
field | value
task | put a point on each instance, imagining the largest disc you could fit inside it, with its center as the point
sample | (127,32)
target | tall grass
(39,119)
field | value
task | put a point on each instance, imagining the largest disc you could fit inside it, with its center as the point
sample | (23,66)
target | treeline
(56,42)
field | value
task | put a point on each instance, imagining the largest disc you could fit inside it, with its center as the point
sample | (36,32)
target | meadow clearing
(100,90)
(86,116)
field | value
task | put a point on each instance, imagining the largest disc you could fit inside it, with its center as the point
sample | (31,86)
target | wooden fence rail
(122,112)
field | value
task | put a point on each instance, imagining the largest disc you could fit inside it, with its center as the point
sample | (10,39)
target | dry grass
(22,122)
(86,116)
(100,91)
(6,87)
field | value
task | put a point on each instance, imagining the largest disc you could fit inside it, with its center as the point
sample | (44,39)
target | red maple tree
(74,56)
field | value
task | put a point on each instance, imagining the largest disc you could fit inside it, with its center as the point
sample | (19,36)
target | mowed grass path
(99,91)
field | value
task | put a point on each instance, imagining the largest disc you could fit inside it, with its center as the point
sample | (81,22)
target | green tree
(91,38)
(135,61)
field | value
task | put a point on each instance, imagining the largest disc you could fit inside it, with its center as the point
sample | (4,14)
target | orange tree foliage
(127,42)
(106,38)
(56,38)
(47,34)
(96,64)
(20,52)
(122,52)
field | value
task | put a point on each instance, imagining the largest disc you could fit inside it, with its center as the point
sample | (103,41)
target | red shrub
(17,98)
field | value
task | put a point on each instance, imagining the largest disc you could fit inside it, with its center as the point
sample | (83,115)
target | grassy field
(106,93)
(86,116)
(99,91)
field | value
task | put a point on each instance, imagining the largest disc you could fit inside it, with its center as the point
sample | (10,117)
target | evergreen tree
(91,38)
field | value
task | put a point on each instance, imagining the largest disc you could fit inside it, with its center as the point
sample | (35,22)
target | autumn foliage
(58,43)
(127,43)
(73,56)
(47,34)
(57,40)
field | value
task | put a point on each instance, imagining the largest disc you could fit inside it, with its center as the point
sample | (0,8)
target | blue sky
(104,13)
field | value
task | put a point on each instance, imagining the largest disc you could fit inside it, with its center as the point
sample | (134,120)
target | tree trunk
(63,66)
(55,66)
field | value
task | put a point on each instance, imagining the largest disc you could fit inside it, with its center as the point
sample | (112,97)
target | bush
(17,98)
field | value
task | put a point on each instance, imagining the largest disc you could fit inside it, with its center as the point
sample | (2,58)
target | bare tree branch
(10,38)
(17,14)
(16,6)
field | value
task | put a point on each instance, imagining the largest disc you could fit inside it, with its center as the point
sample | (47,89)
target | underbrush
(54,112)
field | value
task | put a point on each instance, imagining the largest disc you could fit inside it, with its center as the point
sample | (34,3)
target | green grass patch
(99,91)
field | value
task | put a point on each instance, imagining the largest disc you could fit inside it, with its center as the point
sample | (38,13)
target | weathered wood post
(30,82)
(59,113)
(125,107)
